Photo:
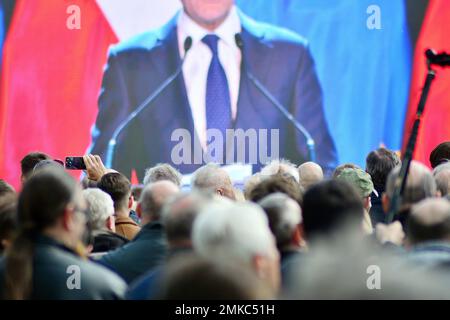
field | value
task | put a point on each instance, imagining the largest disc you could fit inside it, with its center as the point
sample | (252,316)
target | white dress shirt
(198,59)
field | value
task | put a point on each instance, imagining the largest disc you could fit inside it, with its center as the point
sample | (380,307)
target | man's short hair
(429,221)
(100,207)
(277,183)
(154,196)
(6,188)
(284,216)
(232,231)
(8,218)
(420,183)
(379,164)
(211,177)
(440,154)
(179,213)
(189,277)
(162,171)
(329,206)
(117,186)
(442,176)
(28,162)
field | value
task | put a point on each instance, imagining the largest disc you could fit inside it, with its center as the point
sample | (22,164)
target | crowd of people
(291,233)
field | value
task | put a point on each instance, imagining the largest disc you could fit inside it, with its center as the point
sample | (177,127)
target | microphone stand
(400,182)
(309,140)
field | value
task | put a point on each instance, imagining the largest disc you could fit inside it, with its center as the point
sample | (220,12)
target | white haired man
(101,221)
(238,233)
(212,178)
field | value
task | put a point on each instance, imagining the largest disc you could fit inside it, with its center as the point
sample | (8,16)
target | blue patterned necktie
(218,105)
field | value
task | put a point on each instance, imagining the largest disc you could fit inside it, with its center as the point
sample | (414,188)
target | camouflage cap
(358,178)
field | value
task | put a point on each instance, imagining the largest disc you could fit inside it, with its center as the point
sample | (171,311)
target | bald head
(420,183)
(154,196)
(429,221)
(442,176)
(310,173)
(214,179)
(179,213)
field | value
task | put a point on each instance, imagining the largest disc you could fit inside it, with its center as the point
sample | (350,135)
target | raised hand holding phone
(95,168)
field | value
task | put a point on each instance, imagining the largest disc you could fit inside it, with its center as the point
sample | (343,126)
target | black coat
(105,241)
(54,267)
(146,251)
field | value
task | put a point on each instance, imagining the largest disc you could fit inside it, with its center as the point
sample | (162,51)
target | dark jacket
(54,270)
(144,252)
(376,212)
(147,286)
(106,240)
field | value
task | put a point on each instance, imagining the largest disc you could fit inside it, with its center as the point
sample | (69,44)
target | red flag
(435,125)
(50,81)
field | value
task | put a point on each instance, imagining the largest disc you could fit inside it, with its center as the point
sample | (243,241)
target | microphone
(309,140)
(442,59)
(150,98)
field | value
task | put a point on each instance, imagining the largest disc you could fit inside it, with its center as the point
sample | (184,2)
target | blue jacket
(146,251)
(55,266)
(279,58)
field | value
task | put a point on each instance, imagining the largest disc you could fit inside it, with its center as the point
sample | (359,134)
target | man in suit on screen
(213,95)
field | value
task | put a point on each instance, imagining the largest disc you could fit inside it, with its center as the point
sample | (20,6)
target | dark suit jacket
(51,261)
(146,251)
(280,59)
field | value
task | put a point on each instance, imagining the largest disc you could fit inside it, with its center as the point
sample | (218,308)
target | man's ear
(385,202)
(111,224)
(139,210)
(67,218)
(259,266)
(220,192)
(130,202)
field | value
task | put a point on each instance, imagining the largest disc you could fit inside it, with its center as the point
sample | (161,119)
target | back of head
(420,184)
(212,178)
(118,187)
(154,196)
(429,221)
(42,203)
(340,168)
(359,179)
(284,216)
(442,176)
(6,188)
(329,206)
(440,154)
(8,220)
(194,278)
(282,167)
(310,173)
(232,232)
(178,216)
(162,171)
(44,164)
(378,164)
(100,207)
(28,162)
(277,183)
